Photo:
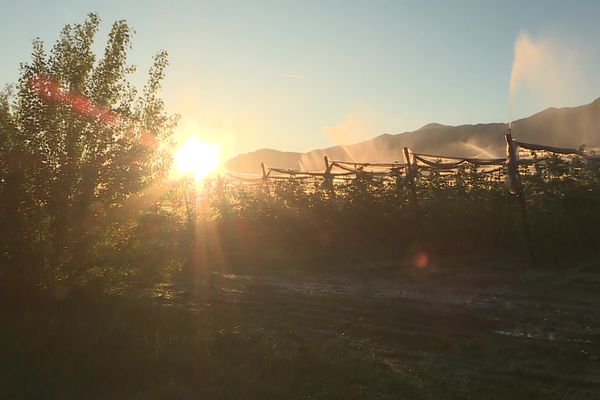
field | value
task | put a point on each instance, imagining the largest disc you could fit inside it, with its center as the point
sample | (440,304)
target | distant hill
(250,162)
(568,127)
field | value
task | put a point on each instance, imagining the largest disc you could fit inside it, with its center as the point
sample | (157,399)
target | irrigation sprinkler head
(508,133)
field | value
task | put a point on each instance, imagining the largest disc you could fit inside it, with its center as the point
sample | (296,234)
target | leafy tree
(78,143)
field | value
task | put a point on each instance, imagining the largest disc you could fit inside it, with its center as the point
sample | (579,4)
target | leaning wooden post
(328,178)
(515,187)
(265,179)
(411,173)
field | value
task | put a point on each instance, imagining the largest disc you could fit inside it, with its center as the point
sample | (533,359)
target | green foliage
(460,214)
(78,143)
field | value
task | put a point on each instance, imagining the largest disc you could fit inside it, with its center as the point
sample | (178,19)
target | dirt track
(471,332)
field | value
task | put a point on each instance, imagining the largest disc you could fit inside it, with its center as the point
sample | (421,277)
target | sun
(196,157)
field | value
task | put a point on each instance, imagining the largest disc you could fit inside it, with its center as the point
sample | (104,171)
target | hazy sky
(298,75)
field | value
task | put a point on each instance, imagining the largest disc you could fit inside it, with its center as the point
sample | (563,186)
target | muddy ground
(457,334)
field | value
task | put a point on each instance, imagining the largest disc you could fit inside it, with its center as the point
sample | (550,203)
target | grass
(223,340)
(118,347)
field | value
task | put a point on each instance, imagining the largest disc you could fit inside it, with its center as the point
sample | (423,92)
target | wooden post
(265,179)
(411,173)
(512,166)
(263,169)
(327,165)
(395,172)
(515,187)
(328,178)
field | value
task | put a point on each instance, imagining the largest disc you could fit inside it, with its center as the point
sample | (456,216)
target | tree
(77,141)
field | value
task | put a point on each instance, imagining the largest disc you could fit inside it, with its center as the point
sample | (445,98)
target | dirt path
(484,333)
(513,314)
(535,317)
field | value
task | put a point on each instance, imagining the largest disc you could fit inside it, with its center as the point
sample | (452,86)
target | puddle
(550,336)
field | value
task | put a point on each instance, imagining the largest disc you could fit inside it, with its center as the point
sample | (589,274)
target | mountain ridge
(564,126)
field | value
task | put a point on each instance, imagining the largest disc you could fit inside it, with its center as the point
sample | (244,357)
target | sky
(300,75)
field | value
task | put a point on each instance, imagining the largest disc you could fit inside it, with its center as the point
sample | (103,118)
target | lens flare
(420,259)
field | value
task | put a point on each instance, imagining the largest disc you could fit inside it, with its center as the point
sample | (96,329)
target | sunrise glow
(196,158)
